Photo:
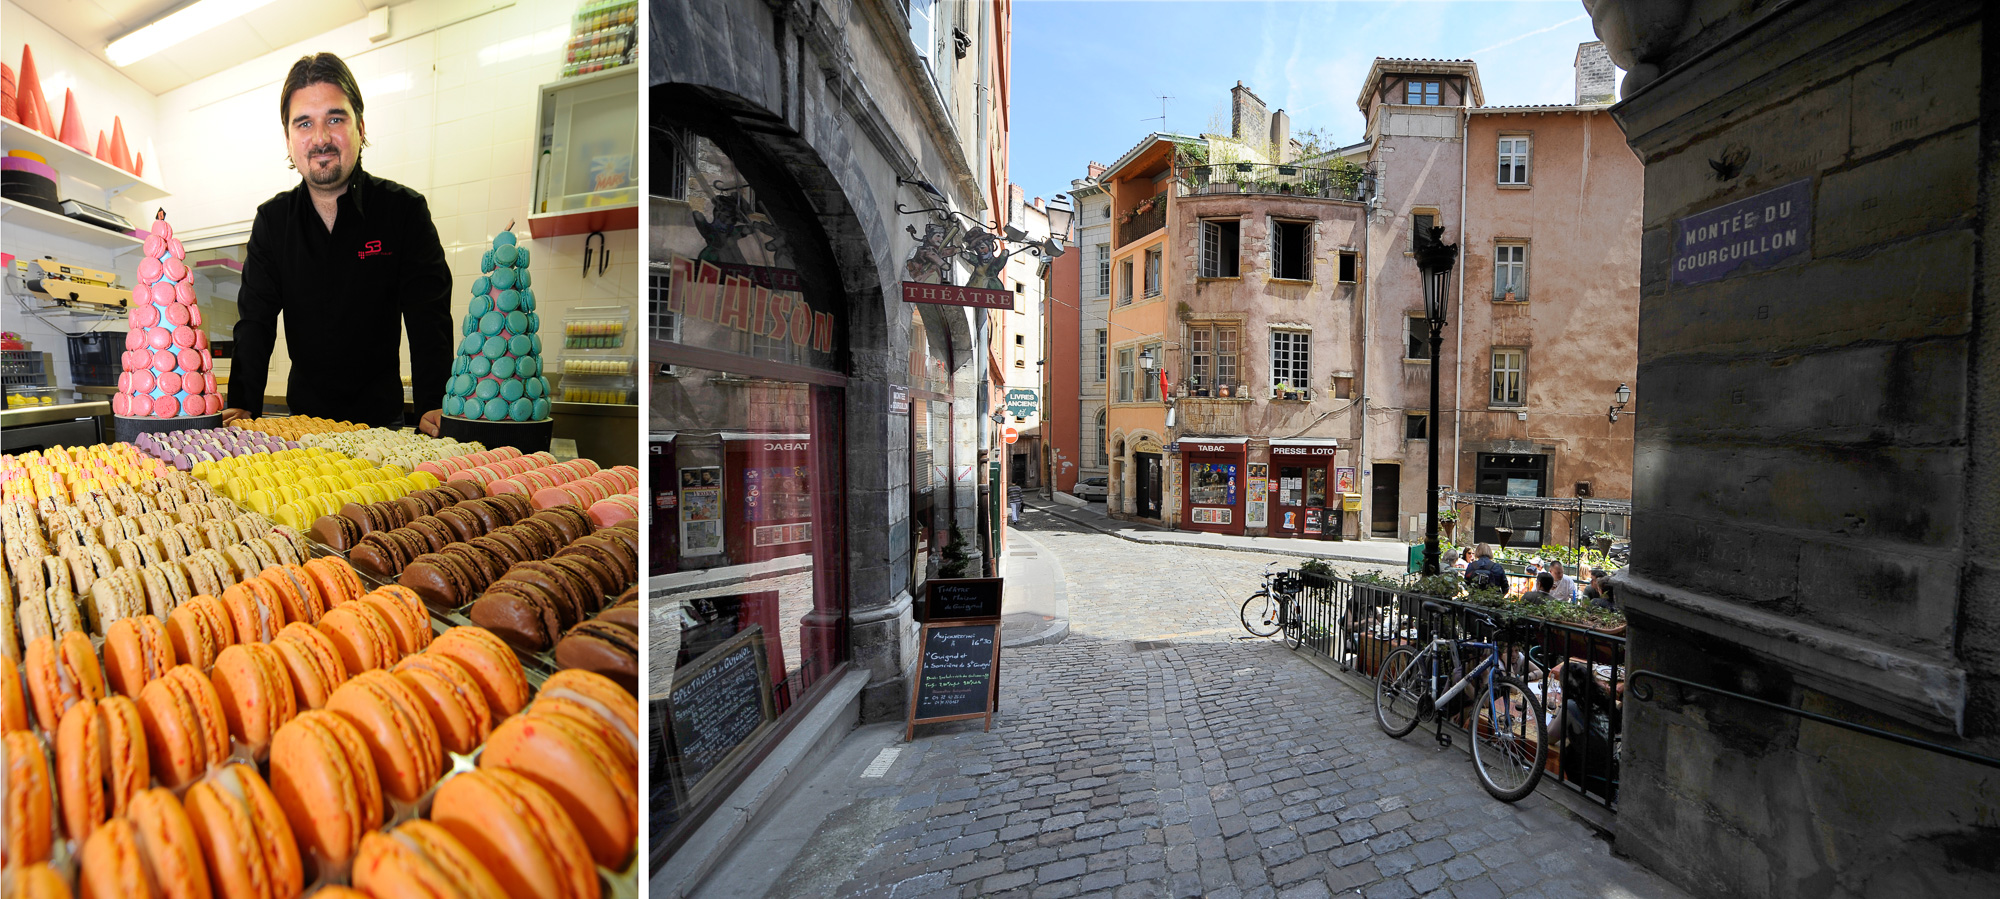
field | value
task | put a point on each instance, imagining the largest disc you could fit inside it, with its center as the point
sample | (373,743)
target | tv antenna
(1163,114)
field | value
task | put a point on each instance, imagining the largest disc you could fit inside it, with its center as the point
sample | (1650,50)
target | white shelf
(73,163)
(21,215)
(220,271)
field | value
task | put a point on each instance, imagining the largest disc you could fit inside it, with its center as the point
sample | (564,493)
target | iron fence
(1283,180)
(1578,673)
(1142,224)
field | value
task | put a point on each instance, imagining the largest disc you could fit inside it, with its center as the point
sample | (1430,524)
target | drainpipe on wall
(1458,340)
(1363,476)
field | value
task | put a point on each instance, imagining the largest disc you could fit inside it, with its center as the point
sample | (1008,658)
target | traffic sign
(1012,434)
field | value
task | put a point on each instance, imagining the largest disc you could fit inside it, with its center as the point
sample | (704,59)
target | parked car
(1096,488)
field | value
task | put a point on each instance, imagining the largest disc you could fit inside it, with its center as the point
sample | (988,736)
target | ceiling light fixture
(176,27)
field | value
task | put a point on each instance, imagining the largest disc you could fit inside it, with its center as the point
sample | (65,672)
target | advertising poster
(1343,479)
(1256,513)
(1312,522)
(701,511)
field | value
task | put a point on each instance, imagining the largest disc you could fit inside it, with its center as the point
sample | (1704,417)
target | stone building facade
(796,148)
(1815,516)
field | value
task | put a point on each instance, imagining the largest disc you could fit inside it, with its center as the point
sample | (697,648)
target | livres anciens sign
(1751,234)
(947,295)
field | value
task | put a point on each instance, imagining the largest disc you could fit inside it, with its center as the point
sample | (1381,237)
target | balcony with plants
(1148,216)
(1340,181)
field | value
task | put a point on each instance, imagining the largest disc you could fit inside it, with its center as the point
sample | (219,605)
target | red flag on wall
(1163,384)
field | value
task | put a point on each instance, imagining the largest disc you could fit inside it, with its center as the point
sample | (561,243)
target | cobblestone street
(1212,765)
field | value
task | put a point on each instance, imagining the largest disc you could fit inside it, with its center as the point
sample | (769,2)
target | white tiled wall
(450,102)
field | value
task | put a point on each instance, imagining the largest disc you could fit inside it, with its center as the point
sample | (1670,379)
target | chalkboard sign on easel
(962,599)
(958,668)
(720,704)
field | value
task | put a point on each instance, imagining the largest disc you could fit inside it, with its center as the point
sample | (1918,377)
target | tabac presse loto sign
(1751,234)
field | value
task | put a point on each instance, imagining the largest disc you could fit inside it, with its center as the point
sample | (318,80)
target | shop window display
(745,416)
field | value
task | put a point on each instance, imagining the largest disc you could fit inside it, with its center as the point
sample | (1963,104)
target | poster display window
(1213,484)
(746,416)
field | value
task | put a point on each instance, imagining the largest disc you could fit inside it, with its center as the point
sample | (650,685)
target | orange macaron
(421,859)
(323,776)
(397,727)
(597,703)
(577,767)
(453,698)
(313,662)
(296,592)
(519,832)
(255,689)
(136,650)
(365,639)
(13,702)
(407,620)
(337,582)
(167,840)
(60,673)
(39,882)
(254,611)
(246,841)
(491,662)
(187,731)
(199,629)
(31,801)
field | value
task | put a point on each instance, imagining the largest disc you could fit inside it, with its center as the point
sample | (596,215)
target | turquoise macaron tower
(497,378)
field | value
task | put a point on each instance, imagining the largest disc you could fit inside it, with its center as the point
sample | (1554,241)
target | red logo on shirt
(372,248)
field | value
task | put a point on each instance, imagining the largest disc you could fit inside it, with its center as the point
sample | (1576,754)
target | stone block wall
(1814,482)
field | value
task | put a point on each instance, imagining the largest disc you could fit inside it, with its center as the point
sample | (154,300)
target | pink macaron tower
(168,372)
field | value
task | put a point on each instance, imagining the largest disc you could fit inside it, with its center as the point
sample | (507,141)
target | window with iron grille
(1510,375)
(1510,271)
(1101,335)
(1219,245)
(670,150)
(665,324)
(1513,160)
(1103,449)
(1291,359)
(1422,93)
(1153,257)
(1212,355)
(1291,250)
(1416,338)
(1125,376)
(1104,270)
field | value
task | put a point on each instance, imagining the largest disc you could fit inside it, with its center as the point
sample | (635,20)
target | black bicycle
(1274,607)
(1510,742)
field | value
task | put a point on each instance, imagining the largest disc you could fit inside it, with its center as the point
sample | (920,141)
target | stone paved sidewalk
(1213,765)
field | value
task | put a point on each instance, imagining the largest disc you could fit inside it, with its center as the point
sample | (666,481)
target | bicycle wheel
(1510,744)
(1260,614)
(1399,686)
(1295,624)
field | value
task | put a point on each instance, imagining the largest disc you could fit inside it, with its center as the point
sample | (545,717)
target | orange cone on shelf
(8,86)
(103,153)
(25,89)
(139,165)
(121,155)
(44,117)
(72,123)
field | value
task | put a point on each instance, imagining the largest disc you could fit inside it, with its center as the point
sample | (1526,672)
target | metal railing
(1282,180)
(1143,224)
(1577,672)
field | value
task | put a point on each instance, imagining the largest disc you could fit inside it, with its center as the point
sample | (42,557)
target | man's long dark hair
(319,68)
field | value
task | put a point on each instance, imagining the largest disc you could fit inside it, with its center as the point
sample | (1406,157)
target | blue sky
(1086,72)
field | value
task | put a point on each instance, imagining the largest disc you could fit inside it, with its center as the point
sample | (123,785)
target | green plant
(1188,153)
(1320,567)
(958,556)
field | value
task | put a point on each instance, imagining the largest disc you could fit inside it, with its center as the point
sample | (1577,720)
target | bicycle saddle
(1432,608)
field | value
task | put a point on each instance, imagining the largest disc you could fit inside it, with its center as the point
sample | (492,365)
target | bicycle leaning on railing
(1274,607)
(1510,742)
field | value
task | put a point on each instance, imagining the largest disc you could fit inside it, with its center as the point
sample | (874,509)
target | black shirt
(346,296)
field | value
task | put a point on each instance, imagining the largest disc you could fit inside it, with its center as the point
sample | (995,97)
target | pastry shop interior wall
(451,101)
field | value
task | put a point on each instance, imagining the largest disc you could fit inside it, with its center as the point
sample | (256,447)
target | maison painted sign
(1751,234)
(947,295)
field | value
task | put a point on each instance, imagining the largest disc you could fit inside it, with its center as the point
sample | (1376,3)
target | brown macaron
(516,505)
(463,523)
(443,580)
(379,555)
(434,531)
(551,535)
(571,590)
(504,552)
(337,531)
(485,568)
(602,647)
(624,614)
(466,488)
(602,580)
(522,613)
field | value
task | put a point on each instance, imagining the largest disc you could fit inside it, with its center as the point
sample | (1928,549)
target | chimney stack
(1281,137)
(1596,79)
(1096,170)
(1249,120)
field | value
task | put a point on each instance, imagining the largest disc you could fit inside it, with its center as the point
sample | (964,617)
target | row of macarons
(73,475)
(378,744)
(184,449)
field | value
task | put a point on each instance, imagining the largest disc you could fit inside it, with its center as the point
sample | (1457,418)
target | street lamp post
(1434,261)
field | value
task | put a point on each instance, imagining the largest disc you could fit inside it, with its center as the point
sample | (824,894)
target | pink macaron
(183,336)
(177,314)
(149,270)
(135,338)
(166,406)
(174,268)
(121,403)
(190,360)
(159,338)
(162,292)
(155,245)
(144,316)
(184,293)
(169,382)
(144,380)
(164,359)
(207,375)
(163,229)
(194,318)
